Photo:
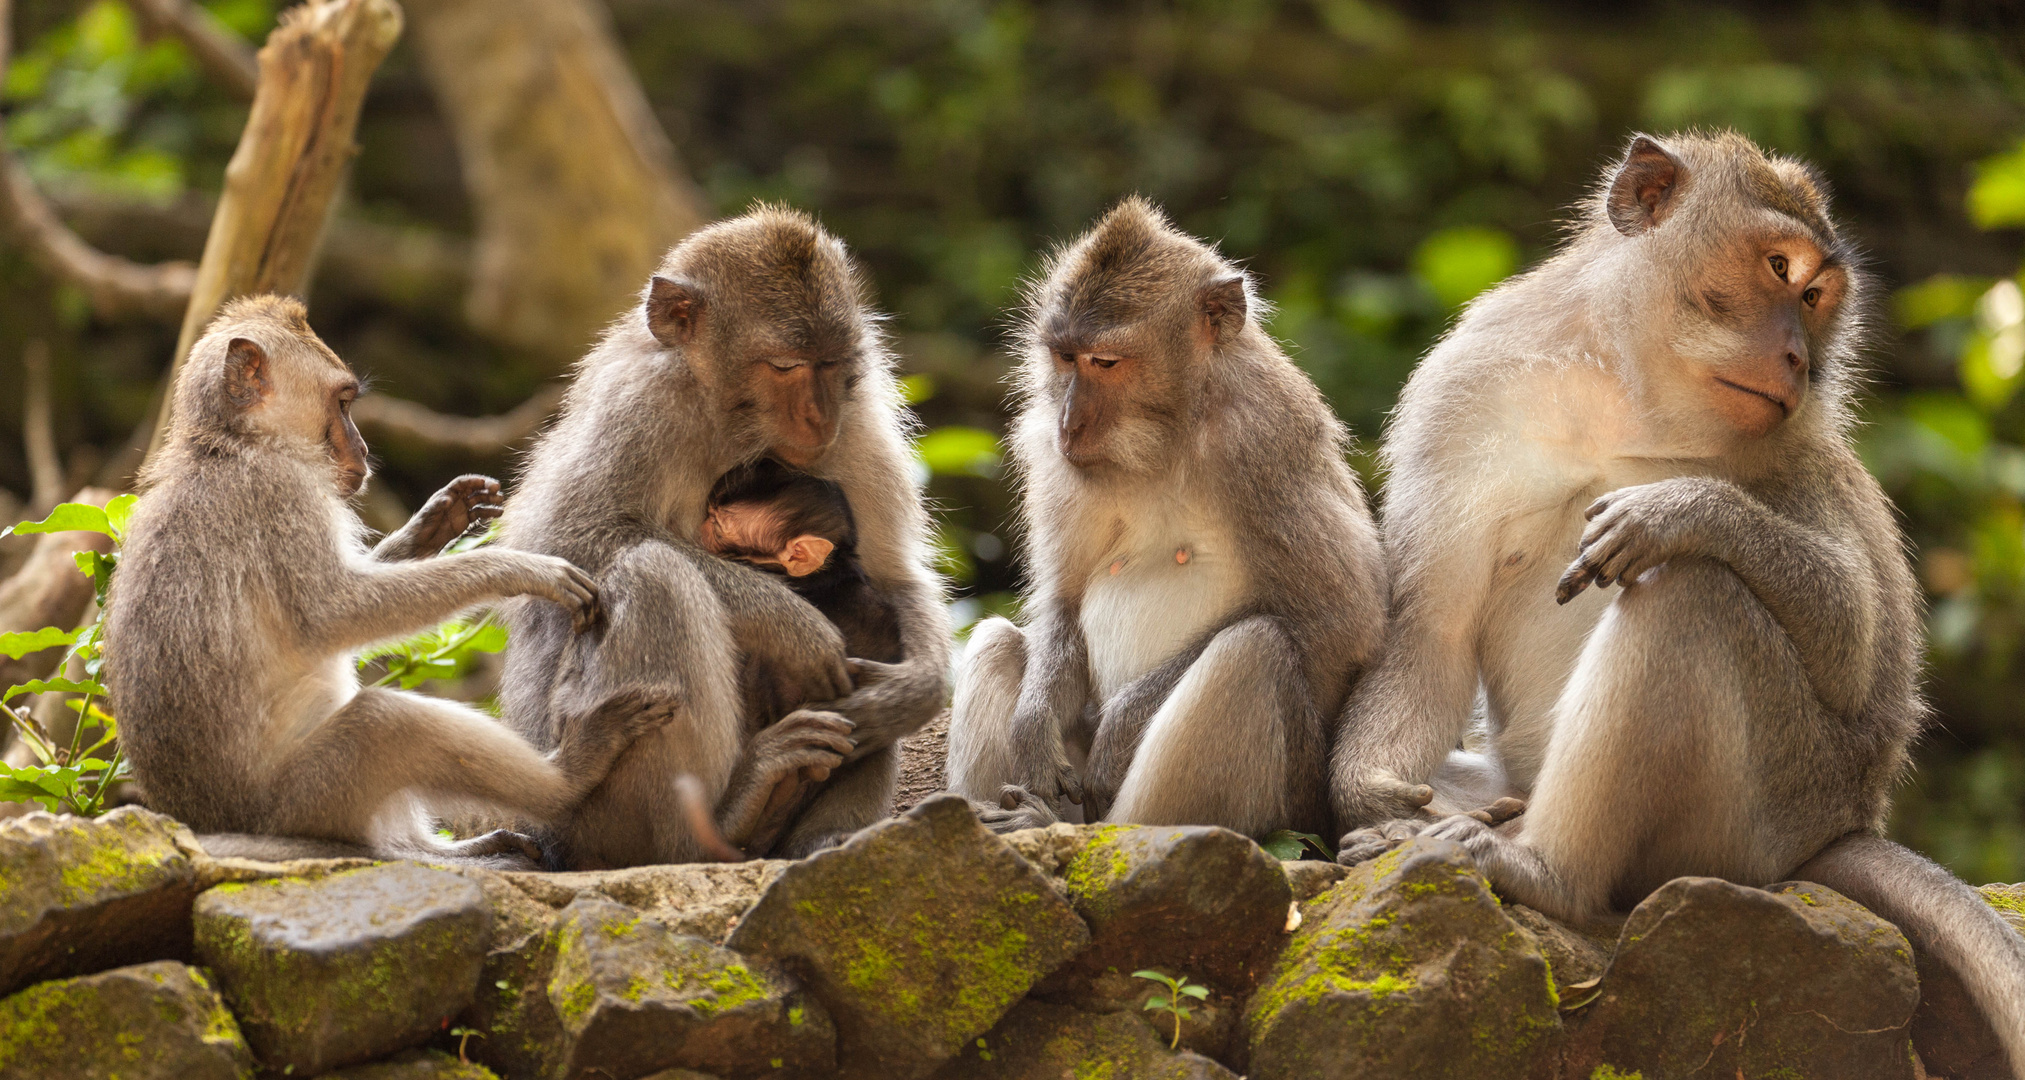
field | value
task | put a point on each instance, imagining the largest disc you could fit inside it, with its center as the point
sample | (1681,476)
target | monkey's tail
(1943,918)
(696,812)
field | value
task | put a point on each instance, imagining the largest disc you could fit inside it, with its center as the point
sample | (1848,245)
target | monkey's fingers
(1576,578)
(1505,809)
(1072,786)
(1601,504)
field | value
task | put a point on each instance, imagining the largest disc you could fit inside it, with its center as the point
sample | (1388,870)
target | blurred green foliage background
(1375,165)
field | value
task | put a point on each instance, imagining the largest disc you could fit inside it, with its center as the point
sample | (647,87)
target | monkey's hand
(1040,764)
(889,702)
(1372,796)
(775,759)
(1633,529)
(558,580)
(1017,809)
(447,515)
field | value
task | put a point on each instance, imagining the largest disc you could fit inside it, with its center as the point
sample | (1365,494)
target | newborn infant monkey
(775,519)
(799,526)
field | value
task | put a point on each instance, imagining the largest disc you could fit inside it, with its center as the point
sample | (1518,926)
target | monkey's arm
(351,604)
(1818,585)
(892,701)
(1051,698)
(799,653)
(445,517)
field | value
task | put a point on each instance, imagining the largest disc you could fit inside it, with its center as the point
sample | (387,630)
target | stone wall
(927,947)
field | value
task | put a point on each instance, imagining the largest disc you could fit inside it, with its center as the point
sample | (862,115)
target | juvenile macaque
(754,341)
(1662,407)
(768,516)
(245,590)
(1206,578)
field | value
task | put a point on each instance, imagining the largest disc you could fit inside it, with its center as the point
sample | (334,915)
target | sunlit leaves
(446,652)
(1767,101)
(959,451)
(18,644)
(1458,263)
(1997,198)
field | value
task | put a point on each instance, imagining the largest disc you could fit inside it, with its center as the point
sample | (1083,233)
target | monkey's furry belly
(1153,608)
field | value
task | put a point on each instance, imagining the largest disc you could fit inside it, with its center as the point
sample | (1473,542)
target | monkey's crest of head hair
(776,268)
(1132,267)
(205,416)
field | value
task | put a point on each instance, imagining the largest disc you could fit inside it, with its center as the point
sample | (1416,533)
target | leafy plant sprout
(1171,1002)
(463,1036)
(69,774)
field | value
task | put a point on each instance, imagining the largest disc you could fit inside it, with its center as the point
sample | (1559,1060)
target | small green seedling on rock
(1171,1002)
(463,1036)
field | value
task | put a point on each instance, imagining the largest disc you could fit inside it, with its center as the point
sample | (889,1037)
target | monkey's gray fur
(1665,402)
(244,591)
(674,397)
(1205,584)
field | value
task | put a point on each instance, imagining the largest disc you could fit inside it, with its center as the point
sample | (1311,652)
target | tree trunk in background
(291,158)
(576,188)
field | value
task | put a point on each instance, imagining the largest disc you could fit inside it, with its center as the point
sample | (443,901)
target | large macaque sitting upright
(1663,407)
(1206,578)
(754,340)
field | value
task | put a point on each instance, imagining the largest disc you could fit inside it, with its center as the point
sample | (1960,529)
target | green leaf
(1457,264)
(1287,845)
(959,451)
(1997,198)
(1197,992)
(1943,296)
(59,686)
(1156,1002)
(45,784)
(118,511)
(917,388)
(67,517)
(1149,973)
(17,645)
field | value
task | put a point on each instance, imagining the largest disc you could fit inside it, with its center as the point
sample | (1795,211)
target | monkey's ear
(805,555)
(248,375)
(1642,193)
(1223,304)
(673,310)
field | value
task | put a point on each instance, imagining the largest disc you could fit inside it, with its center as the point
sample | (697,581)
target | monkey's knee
(980,715)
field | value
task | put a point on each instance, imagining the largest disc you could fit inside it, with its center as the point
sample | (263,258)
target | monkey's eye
(1811,296)
(1106,362)
(1068,358)
(1779,266)
(780,367)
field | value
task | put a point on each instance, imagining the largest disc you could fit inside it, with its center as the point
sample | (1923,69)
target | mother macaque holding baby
(752,350)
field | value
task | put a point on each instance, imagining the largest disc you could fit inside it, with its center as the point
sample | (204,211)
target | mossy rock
(633,996)
(917,934)
(1039,1041)
(1407,967)
(1716,979)
(338,971)
(1952,1036)
(158,1021)
(417,1065)
(79,895)
(1185,900)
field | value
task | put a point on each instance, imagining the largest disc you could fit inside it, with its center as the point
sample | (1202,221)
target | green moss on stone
(1608,1072)
(1101,864)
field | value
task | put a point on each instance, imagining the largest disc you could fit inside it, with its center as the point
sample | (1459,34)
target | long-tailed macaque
(1206,578)
(1662,407)
(245,590)
(754,340)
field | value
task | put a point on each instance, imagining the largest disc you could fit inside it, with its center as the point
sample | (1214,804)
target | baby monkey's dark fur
(802,504)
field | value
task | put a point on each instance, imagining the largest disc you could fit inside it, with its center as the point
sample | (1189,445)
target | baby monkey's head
(774,518)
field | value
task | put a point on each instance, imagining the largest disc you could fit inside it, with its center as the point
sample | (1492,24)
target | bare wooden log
(480,436)
(279,185)
(576,188)
(48,590)
(218,50)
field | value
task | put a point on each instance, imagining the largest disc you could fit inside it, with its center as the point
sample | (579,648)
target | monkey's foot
(495,844)
(1017,809)
(1362,845)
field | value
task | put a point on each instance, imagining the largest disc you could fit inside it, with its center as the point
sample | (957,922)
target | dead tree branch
(298,139)
(479,436)
(38,435)
(219,51)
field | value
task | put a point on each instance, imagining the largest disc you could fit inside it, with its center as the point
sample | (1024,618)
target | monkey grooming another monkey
(755,340)
(1665,403)
(768,516)
(244,591)
(1206,577)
